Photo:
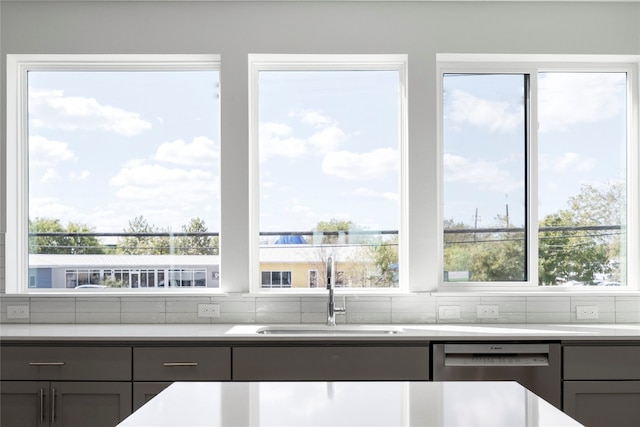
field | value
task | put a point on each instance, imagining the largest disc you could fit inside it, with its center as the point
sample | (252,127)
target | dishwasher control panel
(493,360)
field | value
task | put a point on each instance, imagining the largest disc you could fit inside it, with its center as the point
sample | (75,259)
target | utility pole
(475,224)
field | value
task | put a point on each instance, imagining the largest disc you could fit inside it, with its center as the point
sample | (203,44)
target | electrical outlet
(449,312)
(586,312)
(18,312)
(208,310)
(487,312)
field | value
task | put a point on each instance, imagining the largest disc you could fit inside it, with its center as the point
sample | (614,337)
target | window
(276,279)
(328,151)
(536,177)
(313,278)
(122,154)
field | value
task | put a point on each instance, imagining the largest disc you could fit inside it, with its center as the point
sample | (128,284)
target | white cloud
(367,192)
(276,140)
(50,175)
(572,98)
(298,209)
(484,174)
(52,109)
(201,150)
(44,152)
(573,162)
(361,166)
(313,118)
(50,207)
(79,176)
(166,194)
(327,139)
(494,115)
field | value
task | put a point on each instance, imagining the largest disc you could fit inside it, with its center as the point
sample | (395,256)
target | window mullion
(531,104)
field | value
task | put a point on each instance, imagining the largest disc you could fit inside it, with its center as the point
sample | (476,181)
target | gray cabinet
(65,386)
(64,403)
(602,384)
(154,368)
(331,363)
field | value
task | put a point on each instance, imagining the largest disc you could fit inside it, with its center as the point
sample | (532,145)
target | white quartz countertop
(344,404)
(241,333)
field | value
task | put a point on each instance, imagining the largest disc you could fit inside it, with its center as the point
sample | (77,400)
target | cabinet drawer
(181,363)
(331,363)
(602,362)
(66,363)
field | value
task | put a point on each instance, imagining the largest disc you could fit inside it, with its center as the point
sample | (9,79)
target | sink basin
(328,330)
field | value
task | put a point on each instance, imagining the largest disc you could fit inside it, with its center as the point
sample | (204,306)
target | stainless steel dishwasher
(536,366)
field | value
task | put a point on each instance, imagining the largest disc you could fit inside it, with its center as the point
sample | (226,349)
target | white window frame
(532,65)
(328,62)
(17,158)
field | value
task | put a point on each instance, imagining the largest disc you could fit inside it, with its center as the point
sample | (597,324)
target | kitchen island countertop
(413,403)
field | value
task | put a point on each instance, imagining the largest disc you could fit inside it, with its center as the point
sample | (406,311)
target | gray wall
(235,29)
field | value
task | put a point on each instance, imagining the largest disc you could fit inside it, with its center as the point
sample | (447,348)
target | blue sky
(581,139)
(329,148)
(108,146)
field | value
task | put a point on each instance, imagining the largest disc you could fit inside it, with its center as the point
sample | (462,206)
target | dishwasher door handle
(496,348)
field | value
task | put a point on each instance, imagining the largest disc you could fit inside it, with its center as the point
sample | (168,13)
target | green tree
(199,244)
(143,244)
(335,225)
(62,244)
(385,256)
(488,257)
(569,254)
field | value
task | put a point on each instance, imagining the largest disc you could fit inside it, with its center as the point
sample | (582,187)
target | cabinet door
(603,403)
(24,403)
(95,404)
(145,391)
(331,363)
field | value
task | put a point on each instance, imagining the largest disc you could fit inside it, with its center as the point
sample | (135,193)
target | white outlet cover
(17,312)
(449,312)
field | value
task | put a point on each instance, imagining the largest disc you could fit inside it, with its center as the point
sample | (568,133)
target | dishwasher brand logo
(493,347)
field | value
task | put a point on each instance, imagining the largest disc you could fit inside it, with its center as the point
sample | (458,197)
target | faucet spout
(332,310)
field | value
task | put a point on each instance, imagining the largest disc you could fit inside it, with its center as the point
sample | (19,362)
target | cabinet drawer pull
(46,363)
(41,406)
(173,364)
(53,406)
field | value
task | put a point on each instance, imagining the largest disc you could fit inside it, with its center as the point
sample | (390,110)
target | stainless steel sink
(328,330)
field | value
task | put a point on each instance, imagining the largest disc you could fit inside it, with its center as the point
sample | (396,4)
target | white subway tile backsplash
(237,317)
(53,317)
(604,304)
(101,305)
(240,308)
(186,317)
(141,317)
(318,317)
(628,317)
(548,317)
(362,317)
(52,305)
(548,305)
(97,317)
(399,317)
(143,305)
(269,305)
(277,317)
(627,305)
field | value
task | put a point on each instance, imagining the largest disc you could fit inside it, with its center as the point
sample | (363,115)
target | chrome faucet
(332,310)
